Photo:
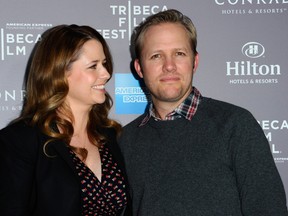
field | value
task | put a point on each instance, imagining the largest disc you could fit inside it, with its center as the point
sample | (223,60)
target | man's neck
(161,110)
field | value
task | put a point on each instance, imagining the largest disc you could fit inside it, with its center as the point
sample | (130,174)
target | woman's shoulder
(20,129)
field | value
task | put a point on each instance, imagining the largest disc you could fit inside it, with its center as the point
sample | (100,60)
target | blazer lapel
(60,149)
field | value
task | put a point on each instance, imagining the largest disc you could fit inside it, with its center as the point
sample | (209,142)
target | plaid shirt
(186,109)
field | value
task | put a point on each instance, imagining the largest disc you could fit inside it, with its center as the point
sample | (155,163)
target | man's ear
(137,67)
(196,62)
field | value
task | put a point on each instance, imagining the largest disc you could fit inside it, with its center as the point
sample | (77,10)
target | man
(190,155)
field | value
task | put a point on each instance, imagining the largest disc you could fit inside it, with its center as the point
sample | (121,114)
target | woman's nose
(104,73)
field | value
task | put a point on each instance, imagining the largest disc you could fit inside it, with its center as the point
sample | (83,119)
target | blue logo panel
(129,95)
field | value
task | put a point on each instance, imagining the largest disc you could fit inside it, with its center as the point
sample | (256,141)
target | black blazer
(33,184)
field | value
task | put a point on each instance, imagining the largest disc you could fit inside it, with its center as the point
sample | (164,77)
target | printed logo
(127,17)
(11,100)
(249,2)
(253,70)
(18,39)
(130,96)
(253,50)
(274,128)
(248,7)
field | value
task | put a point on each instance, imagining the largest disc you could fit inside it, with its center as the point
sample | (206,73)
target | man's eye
(155,56)
(180,54)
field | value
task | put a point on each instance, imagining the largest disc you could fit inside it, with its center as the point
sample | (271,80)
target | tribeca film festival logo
(246,7)
(275,126)
(18,39)
(252,71)
(128,16)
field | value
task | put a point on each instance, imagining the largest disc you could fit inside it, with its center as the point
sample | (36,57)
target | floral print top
(101,198)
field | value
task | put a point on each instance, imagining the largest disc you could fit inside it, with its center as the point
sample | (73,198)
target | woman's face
(87,77)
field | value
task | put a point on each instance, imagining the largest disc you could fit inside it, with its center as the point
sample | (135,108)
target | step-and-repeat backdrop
(242,45)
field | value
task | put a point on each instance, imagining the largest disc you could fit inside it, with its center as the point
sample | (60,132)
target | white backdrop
(242,45)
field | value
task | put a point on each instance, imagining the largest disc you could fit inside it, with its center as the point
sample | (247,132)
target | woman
(60,156)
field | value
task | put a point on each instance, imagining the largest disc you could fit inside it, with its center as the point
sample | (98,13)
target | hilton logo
(253,50)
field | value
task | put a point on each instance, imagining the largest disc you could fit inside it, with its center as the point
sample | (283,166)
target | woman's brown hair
(47,86)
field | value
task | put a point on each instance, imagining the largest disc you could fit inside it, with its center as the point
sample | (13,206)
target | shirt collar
(186,109)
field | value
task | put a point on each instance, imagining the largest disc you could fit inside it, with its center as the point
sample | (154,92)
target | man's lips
(169,79)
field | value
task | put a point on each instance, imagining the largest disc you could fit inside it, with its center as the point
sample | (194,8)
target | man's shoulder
(218,109)
(219,105)
(135,123)
(130,130)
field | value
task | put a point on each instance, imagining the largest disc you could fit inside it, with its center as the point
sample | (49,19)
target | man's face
(167,63)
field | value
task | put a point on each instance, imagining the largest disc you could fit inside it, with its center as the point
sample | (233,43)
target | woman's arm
(18,154)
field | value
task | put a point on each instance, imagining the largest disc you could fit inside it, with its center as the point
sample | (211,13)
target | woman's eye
(93,66)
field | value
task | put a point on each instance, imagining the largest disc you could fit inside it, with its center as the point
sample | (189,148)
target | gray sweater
(219,163)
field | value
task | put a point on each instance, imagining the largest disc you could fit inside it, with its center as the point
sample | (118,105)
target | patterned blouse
(101,198)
